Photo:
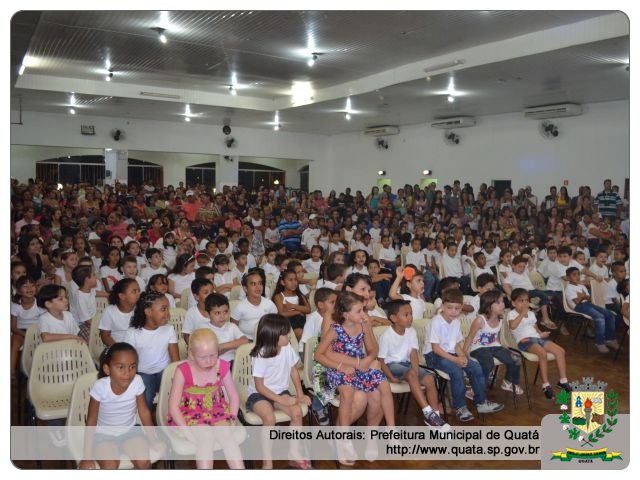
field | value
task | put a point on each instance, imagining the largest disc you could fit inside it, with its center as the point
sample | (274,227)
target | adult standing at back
(191,206)
(290,232)
(608,202)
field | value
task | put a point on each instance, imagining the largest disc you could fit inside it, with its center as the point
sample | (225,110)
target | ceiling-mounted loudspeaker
(452,138)
(230,142)
(117,134)
(549,130)
(226,129)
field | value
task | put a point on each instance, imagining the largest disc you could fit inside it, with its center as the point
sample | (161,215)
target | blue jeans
(431,283)
(151,386)
(473,371)
(485,356)
(382,289)
(605,321)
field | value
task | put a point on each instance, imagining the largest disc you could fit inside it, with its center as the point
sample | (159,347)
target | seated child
(522,323)
(443,351)
(399,361)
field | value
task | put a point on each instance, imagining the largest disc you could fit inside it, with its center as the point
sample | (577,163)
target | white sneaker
(489,407)
(508,386)
(602,348)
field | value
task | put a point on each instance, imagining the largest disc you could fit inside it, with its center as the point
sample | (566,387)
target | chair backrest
(56,367)
(429,310)
(80,397)
(232,304)
(270,283)
(307,365)
(378,331)
(377,246)
(421,332)
(77,416)
(235,292)
(313,278)
(184,298)
(101,304)
(403,254)
(597,293)
(241,371)
(31,341)
(506,335)
(565,302)
(177,320)
(474,285)
(465,325)
(162,409)
(96,346)
(537,280)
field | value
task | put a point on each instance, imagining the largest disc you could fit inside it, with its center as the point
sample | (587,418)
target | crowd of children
(359,264)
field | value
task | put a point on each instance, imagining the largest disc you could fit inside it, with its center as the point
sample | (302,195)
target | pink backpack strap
(186,373)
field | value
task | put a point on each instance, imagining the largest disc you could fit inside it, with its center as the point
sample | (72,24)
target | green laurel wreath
(594,437)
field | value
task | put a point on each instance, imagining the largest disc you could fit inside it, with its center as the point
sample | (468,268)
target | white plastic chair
(179,444)
(96,346)
(242,379)
(403,255)
(538,281)
(177,320)
(508,340)
(184,299)
(77,417)
(56,367)
(235,292)
(101,304)
(597,293)
(584,319)
(31,341)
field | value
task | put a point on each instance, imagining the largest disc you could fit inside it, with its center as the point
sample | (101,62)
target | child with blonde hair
(197,397)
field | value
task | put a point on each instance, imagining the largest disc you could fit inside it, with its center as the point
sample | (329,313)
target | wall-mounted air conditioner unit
(553,111)
(382,130)
(454,122)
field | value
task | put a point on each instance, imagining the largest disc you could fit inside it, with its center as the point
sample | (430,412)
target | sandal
(301,464)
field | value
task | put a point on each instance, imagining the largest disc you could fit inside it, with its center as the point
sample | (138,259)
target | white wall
(589,148)
(63,130)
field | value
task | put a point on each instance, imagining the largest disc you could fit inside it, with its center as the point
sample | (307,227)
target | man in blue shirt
(290,232)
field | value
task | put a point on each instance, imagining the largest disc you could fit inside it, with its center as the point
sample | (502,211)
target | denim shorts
(528,342)
(256,397)
(132,432)
(400,370)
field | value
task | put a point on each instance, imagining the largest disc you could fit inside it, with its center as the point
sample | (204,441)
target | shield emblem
(587,410)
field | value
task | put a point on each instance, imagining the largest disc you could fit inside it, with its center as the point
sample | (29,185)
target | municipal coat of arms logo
(588,415)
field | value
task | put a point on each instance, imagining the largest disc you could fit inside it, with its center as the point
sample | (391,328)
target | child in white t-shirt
(83,298)
(154,340)
(229,335)
(197,316)
(443,351)
(522,323)
(24,313)
(398,356)
(57,323)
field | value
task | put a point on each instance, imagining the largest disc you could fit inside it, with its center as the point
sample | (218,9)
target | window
(201,174)
(253,175)
(90,168)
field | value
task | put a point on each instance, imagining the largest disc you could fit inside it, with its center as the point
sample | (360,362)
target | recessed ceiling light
(72,111)
(276,127)
(187,119)
(347,116)
(451,99)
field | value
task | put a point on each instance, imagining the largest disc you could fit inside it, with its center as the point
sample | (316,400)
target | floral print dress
(203,405)
(363,380)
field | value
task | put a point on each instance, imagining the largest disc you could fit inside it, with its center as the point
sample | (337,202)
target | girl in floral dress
(197,398)
(348,351)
